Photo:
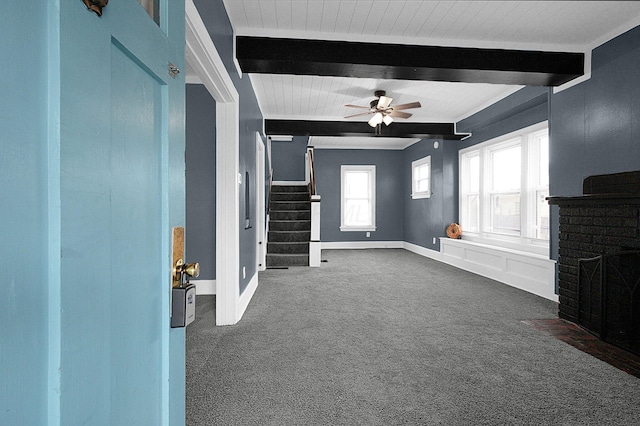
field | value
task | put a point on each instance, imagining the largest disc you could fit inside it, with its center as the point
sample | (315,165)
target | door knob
(183,272)
(192,269)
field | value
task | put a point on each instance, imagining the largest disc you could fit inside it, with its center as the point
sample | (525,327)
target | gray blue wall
(289,159)
(427,218)
(595,126)
(23,216)
(201,180)
(221,32)
(526,107)
(389,192)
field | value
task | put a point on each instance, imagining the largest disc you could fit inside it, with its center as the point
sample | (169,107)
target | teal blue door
(121,192)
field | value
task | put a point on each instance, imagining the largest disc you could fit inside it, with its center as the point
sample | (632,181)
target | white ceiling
(576,26)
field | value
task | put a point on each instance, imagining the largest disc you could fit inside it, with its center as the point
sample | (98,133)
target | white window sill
(420,195)
(357,228)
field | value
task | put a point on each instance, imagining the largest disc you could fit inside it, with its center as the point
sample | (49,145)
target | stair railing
(314,244)
(268,203)
(311,178)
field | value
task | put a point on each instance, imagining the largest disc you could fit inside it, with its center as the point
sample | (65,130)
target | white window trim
(522,242)
(415,194)
(371,169)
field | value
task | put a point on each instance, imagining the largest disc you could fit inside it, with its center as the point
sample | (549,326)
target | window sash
(358,198)
(421,178)
(505,215)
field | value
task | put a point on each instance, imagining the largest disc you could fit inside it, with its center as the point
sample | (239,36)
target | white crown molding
(364,142)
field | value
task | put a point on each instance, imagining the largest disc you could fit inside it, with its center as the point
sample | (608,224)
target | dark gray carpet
(386,337)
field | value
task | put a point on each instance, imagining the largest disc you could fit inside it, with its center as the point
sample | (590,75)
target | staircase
(289,226)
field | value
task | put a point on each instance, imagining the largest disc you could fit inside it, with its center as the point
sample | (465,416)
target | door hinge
(173,70)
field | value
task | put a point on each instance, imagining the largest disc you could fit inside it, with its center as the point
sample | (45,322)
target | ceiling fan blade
(358,115)
(407,106)
(400,114)
(384,102)
(357,106)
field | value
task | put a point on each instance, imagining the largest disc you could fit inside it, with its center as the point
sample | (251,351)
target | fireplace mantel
(596,199)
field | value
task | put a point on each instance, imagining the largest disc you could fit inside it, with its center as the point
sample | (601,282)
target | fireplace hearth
(599,258)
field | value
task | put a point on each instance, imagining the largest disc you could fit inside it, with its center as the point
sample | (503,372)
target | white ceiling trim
(361,142)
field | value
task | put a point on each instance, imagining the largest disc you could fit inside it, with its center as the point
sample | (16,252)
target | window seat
(527,271)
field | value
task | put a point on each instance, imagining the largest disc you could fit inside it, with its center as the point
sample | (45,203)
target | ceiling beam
(357,128)
(406,62)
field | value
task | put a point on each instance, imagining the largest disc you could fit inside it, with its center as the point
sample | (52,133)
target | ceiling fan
(382,110)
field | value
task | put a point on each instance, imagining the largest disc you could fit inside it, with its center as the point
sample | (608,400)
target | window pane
(422,172)
(505,213)
(153,9)
(357,213)
(474,173)
(505,167)
(473,213)
(422,185)
(357,185)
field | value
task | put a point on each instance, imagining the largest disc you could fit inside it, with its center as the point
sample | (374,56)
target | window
(358,204)
(153,9)
(421,178)
(503,186)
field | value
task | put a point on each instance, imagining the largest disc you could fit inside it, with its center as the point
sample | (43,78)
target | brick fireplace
(599,258)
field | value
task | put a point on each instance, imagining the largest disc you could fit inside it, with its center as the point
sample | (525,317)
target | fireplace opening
(609,298)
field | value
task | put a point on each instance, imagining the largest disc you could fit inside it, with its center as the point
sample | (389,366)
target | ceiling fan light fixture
(376,119)
(382,110)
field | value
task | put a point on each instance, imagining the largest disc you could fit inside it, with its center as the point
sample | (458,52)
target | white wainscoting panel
(529,272)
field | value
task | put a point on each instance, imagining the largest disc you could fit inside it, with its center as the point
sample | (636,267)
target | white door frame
(261,249)
(204,59)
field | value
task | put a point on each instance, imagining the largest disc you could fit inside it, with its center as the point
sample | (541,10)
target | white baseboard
(350,245)
(315,255)
(432,254)
(204,287)
(246,296)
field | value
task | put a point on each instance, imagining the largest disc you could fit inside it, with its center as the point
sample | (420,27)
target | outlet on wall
(244,272)
(434,240)
(368,234)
